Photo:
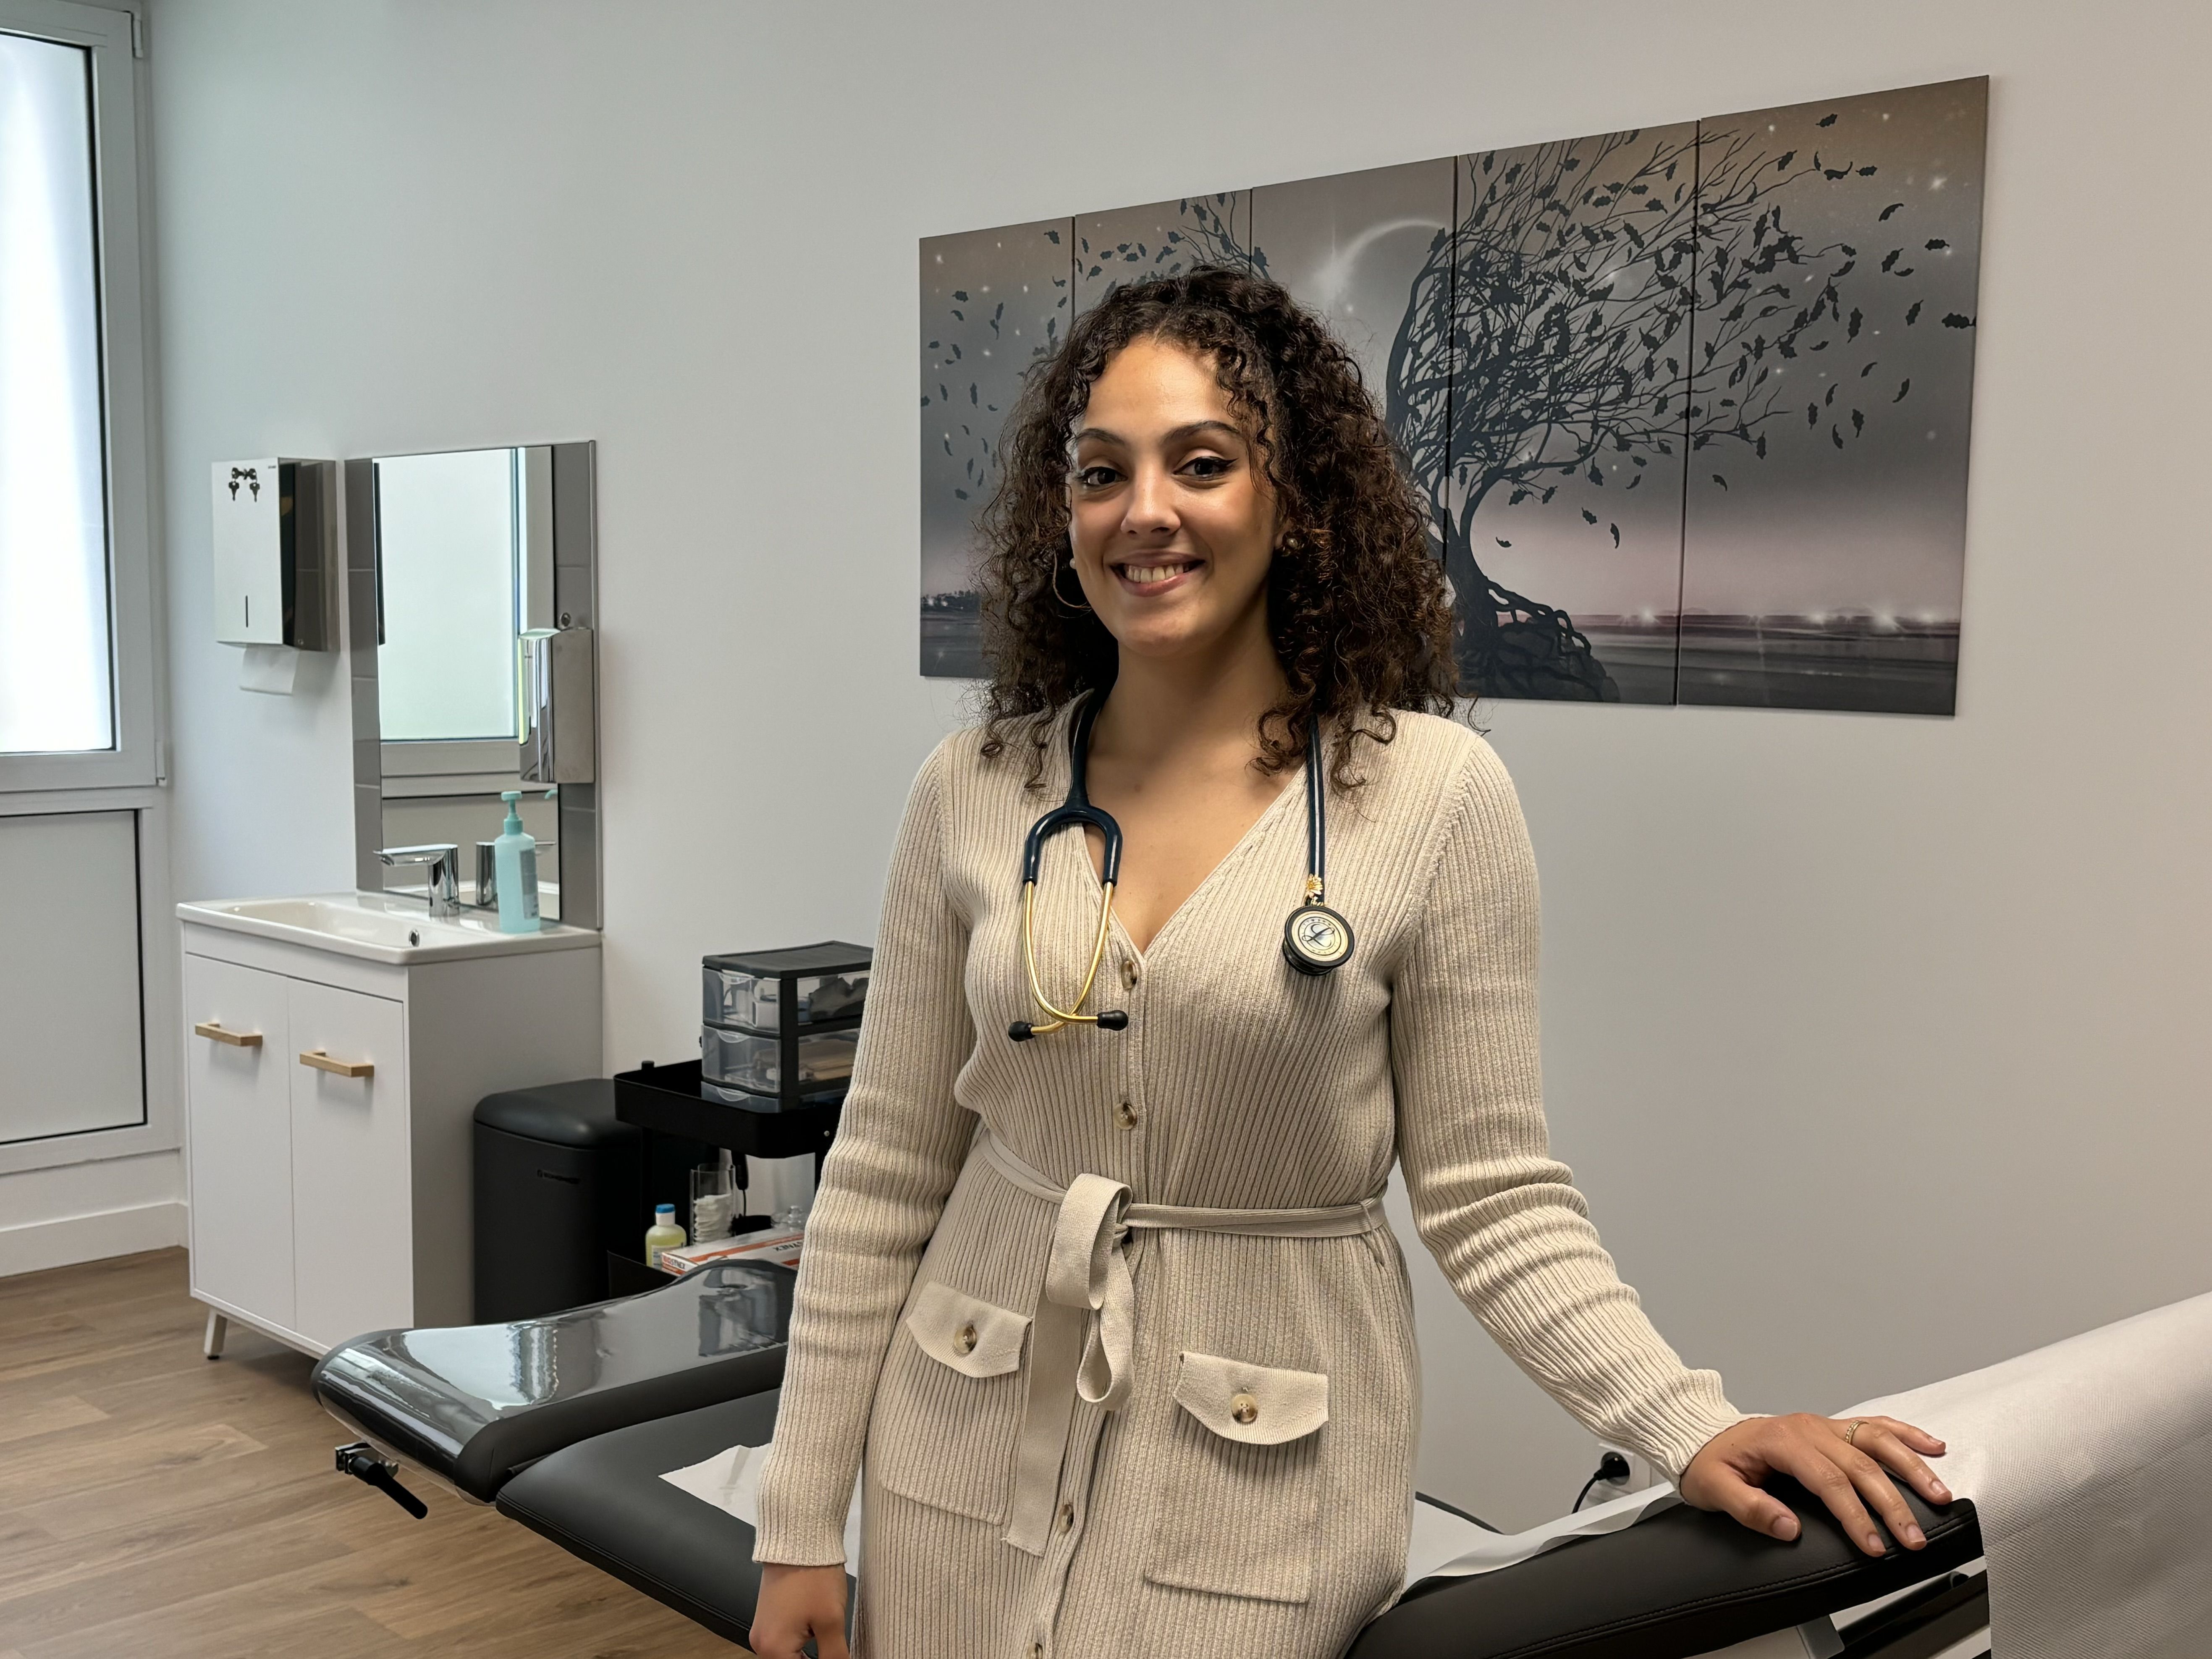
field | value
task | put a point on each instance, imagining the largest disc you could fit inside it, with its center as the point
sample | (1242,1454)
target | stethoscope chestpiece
(1316,940)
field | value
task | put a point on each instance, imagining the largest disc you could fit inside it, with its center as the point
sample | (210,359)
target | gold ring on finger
(1851,1434)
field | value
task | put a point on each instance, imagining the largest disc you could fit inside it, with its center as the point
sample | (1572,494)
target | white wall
(1877,1043)
(86,1211)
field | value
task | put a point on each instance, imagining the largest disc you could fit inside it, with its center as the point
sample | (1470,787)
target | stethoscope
(1315,939)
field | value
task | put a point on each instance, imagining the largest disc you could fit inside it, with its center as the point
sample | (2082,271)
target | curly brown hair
(1356,604)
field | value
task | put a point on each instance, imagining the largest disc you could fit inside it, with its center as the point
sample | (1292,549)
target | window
(77,649)
(55,688)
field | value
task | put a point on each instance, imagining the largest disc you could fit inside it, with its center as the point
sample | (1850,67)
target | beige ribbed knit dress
(1131,1357)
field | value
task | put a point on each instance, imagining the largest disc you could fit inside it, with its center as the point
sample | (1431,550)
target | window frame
(161,986)
(134,641)
(131,775)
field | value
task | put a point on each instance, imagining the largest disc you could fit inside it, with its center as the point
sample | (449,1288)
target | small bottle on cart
(663,1234)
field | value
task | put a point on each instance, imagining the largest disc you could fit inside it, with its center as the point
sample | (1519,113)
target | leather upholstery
(604,1499)
(473,1403)
(1683,1583)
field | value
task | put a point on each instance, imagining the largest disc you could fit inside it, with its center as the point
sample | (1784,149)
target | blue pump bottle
(514,865)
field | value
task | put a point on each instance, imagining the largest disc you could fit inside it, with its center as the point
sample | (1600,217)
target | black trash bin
(559,1183)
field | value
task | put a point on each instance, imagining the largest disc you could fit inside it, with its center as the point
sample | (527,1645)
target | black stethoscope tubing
(1316,940)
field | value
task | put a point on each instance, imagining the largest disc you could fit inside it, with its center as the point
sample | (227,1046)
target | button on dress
(1109,1406)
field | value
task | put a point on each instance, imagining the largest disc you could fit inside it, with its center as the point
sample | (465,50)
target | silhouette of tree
(1602,297)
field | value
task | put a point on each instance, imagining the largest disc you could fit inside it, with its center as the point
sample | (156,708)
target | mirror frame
(576,600)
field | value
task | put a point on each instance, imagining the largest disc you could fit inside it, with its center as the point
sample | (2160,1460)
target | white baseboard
(39,1245)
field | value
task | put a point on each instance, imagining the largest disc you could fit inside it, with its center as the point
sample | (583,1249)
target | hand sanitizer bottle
(515,863)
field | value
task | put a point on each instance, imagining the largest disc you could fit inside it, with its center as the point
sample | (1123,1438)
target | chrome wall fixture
(560,708)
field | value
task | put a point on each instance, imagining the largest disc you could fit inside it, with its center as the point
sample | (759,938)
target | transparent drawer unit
(734,997)
(754,1063)
(728,1094)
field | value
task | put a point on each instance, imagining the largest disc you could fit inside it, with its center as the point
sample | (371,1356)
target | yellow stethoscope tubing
(1075,810)
(1071,1014)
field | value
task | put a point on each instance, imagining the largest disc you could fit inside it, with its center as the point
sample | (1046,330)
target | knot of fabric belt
(1080,1344)
(1088,1273)
(1082,1336)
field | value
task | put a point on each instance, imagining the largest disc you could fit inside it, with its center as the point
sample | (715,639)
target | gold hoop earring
(1075,609)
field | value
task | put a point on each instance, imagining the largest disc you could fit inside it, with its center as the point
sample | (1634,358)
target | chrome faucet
(441,862)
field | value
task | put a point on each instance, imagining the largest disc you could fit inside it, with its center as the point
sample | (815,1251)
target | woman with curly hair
(1108,1298)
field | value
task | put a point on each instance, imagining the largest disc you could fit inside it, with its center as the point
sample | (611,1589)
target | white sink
(379,927)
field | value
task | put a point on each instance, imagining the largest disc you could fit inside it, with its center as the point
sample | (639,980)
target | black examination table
(567,1423)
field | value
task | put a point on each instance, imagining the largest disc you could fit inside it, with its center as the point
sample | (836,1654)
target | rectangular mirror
(470,598)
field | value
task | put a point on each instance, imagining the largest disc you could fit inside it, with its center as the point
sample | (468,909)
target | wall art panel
(993,303)
(1688,404)
(1826,520)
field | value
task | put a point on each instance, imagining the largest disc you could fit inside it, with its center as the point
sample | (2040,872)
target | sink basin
(379,927)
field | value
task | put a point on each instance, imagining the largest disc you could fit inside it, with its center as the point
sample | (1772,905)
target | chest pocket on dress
(950,1404)
(1242,1500)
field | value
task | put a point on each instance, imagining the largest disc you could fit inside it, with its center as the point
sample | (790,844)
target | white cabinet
(238,1079)
(353,1268)
(328,1100)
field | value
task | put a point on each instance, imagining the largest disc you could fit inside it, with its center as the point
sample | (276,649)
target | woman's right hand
(796,1603)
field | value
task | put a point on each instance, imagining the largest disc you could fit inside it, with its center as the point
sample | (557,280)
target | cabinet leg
(217,1328)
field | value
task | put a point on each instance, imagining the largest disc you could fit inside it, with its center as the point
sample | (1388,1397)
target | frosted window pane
(446,550)
(55,685)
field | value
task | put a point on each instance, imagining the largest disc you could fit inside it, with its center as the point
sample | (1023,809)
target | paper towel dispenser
(275,578)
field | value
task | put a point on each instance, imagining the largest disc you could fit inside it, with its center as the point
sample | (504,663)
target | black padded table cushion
(1683,1583)
(717,1333)
(604,1499)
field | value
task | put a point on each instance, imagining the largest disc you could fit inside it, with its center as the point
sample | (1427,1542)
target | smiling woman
(1266,405)
(1226,1468)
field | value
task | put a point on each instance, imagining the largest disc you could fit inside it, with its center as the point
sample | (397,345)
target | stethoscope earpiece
(1316,940)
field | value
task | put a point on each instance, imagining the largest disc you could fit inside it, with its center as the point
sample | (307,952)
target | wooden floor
(152,1502)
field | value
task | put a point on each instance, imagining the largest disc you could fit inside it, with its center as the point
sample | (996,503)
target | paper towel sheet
(271,668)
(730,1480)
(2090,1463)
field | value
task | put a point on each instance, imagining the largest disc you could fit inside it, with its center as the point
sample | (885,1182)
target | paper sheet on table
(2090,1463)
(730,1480)
(1448,1546)
(1443,1545)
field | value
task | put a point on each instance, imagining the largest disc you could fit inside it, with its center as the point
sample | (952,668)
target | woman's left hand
(1845,1462)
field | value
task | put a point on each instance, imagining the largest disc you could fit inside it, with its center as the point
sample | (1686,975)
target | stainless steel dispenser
(560,708)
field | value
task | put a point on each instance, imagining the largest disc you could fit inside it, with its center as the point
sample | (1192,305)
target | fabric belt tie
(1082,1335)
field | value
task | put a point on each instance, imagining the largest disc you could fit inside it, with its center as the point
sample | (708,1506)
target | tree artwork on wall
(1689,404)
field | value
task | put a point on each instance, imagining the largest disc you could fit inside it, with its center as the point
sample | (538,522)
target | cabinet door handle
(323,1062)
(209,1028)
